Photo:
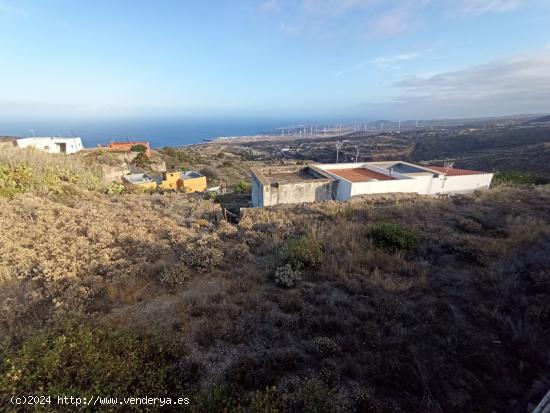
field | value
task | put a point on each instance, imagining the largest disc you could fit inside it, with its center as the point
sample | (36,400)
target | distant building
(142,180)
(52,144)
(127,146)
(279,186)
(189,181)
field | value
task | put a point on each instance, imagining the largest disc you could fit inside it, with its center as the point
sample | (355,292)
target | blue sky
(274,58)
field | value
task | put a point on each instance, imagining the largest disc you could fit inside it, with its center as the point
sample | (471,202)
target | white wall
(462,184)
(52,144)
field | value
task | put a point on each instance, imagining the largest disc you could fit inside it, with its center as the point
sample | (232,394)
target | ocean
(159,132)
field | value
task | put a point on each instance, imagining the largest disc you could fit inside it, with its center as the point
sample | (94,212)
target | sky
(392,59)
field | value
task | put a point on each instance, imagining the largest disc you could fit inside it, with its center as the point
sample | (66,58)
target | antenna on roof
(448,165)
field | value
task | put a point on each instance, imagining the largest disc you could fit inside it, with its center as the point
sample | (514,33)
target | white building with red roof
(342,181)
(403,177)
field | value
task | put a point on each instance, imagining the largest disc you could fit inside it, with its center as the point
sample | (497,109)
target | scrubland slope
(395,303)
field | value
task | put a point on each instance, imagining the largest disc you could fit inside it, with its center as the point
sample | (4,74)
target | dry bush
(203,252)
(174,275)
(33,170)
(443,324)
(287,276)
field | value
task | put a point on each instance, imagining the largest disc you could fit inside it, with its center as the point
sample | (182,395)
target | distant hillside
(543,119)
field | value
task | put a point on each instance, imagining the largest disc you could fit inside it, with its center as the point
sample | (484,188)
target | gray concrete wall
(257,193)
(295,193)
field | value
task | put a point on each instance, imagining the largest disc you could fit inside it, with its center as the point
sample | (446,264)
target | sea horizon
(159,132)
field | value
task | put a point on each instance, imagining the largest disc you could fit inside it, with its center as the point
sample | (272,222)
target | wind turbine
(339,145)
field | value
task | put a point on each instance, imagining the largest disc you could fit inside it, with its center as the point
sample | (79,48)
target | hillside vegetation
(382,304)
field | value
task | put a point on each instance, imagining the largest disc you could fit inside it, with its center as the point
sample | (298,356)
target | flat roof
(139,178)
(289,175)
(456,171)
(190,175)
(360,175)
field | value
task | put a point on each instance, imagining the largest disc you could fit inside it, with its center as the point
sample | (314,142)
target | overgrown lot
(396,303)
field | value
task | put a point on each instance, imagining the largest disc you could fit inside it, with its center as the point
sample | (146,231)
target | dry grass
(42,172)
(444,323)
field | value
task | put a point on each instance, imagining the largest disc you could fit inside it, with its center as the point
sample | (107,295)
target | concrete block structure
(343,181)
(291,184)
(52,144)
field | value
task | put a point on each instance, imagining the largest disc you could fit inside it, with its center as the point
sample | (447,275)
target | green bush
(517,178)
(141,160)
(243,187)
(301,253)
(394,237)
(138,148)
(84,360)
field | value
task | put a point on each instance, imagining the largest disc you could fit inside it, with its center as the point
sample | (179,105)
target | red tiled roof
(455,171)
(359,174)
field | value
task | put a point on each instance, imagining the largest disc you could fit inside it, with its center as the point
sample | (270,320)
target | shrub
(203,253)
(31,170)
(326,346)
(84,360)
(286,276)
(138,148)
(243,187)
(302,253)
(174,275)
(517,178)
(114,188)
(141,160)
(394,237)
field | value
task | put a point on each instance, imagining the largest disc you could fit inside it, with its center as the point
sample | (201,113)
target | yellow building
(170,180)
(189,181)
(143,181)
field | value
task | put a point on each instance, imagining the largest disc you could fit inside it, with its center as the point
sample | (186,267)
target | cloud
(513,85)
(391,61)
(7,8)
(378,17)
(479,7)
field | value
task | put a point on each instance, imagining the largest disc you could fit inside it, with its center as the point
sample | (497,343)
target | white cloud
(513,85)
(479,7)
(383,17)
(391,61)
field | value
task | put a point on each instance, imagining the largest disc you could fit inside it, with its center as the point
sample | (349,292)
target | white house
(284,185)
(52,144)
(397,176)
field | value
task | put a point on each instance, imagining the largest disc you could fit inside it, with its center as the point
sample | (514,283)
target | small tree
(138,148)
(394,237)
(141,160)
(243,187)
